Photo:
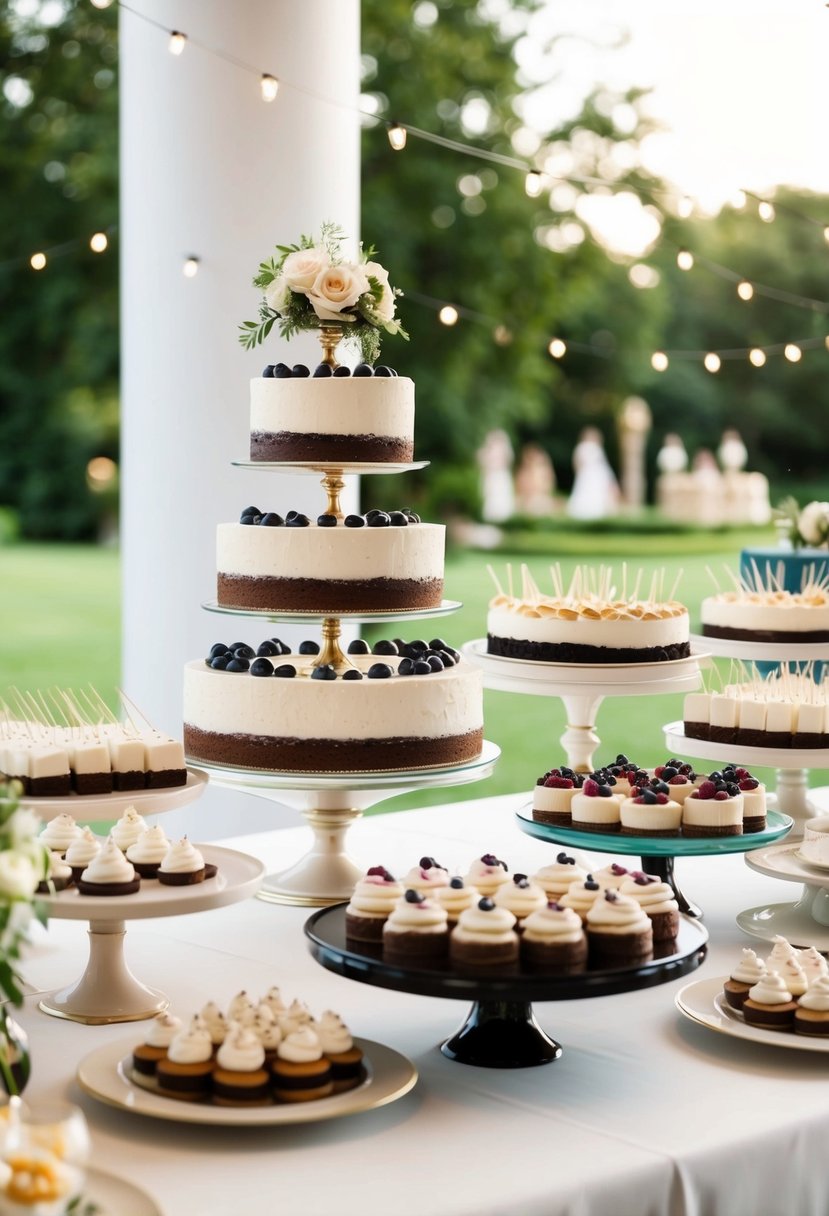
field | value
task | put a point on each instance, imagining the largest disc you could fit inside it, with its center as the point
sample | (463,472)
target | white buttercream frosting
(215,1021)
(110,865)
(813,963)
(334,1035)
(163,1028)
(241,1050)
(487,874)
(553,924)
(520,897)
(455,899)
(296,1017)
(241,1009)
(770,989)
(273,998)
(83,848)
(150,848)
(654,897)
(485,924)
(581,895)
(59,832)
(191,1045)
(270,1035)
(424,917)
(617,913)
(749,968)
(556,877)
(377,405)
(794,977)
(425,878)
(817,997)
(182,858)
(59,870)
(128,828)
(300,1046)
(374,896)
(781,951)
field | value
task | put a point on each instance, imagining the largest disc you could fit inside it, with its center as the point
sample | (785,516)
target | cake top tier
(590,595)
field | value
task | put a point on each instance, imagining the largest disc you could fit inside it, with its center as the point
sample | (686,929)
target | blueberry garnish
(380,671)
(298,521)
(342,371)
(429,863)
(352,674)
(447,659)
(412,516)
(220,662)
(382,370)
(456,883)
(267,649)
(398,520)
(261,667)
(591,884)
(309,647)
(405,667)
(286,671)
(267,374)
(438,644)
(363,369)
(218,648)
(291,515)
(354,521)
(300,371)
(323,369)
(281,371)
(378,519)
(241,651)
(271,520)
(421,668)
(414,897)
(250,511)
(326,521)
(435,663)
(358,646)
(325,672)
(384,646)
(238,665)
(564,860)
(486,904)
(282,647)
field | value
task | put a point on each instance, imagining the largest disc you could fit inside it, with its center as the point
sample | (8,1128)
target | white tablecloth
(645,1114)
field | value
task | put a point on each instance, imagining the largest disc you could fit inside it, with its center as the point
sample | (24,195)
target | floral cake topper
(309,285)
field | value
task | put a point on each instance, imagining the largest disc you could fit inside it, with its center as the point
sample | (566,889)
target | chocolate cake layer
(570,652)
(649,831)
(328,595)
(809,739)
(696,730)
(562,819)
(293,445)
(273,754)
(131,780)
(765,635)
(165,777)
(92,783)
(50,787)
(689,829)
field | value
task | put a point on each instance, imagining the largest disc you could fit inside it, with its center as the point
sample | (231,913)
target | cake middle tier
(330,569)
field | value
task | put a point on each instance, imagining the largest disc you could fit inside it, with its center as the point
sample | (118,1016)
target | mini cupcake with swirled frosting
(109,873)
(59,877)
(296,1017)
(812,1013)
(216,1023)
(182,865)
(187,1070)
(520,897)
(81,851)
(554,940)
(59,833)
(657,899)
(240,1077)
(556,877)
(487,874)
(618,931)
(743,978)
(484,938)
(581,896)
(148,851)
(813,963)
(417,932)
(427,876)
(128,828)
(163,1028)
(301,1072)
(769,1003)
(241,1009)
(456,898)
(371,904)
(342,1053)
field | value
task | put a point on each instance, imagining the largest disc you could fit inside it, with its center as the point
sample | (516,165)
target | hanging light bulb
(685,207)
(659,361)
(448,315)
(191,267)
(738,200)
(757,357)
(685,259)
(177,42)
(826,234)
(98,242)
(269,87)
(557,348)
(712,362)
(502,335)
(826,341)
(397,136)
(37,261)
(765,211)
(533,183)
(101,3)
(744,290)
(792,352)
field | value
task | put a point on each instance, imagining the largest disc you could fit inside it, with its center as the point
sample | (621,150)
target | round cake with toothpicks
(588,620)
(759,608)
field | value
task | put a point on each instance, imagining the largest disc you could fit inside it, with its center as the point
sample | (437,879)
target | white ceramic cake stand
(356,468)
(330,803)
(803,923)
(582,687)
(760,652)
(108,991)
(445,608)
(792,766)
(95,808)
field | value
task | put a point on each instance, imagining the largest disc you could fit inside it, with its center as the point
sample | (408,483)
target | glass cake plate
(732,648)
(703,1002)
(106,1074)
(445,608)
(357,468)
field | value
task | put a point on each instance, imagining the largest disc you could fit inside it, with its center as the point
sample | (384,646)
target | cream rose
(813,523)
(18,877)
(277,294)
(383,308)
(337,288)
(301,269)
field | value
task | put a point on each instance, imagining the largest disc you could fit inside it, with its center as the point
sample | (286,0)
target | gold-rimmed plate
(703,1002)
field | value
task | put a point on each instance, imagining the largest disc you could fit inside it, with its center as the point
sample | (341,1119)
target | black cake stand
(500,1030)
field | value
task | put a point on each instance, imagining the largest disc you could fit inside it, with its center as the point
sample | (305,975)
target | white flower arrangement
(807,526)
(312,284)
(24,864)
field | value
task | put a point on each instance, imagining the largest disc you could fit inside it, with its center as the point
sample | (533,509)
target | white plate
(239,876)
(769,757)
(784,861)
(94,807)
(703,1002)
(115,1196)
(810,861)
(105,1074)
(577,679)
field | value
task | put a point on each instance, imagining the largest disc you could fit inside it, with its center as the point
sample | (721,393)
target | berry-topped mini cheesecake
(595,808)
(714,809)
(651,811)
(754,797)
(626,773)
(553,795)
(679,776)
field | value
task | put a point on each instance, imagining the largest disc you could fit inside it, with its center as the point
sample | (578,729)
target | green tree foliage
(59,332)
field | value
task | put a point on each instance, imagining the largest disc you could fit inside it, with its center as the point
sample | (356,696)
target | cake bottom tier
(298,446)
(272,753)
(573,652)
(328,595)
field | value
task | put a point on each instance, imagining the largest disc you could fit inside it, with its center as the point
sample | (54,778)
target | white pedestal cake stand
(330,804)
(108,991)
(792,768)
(96,808)
(803,923)
(582,687)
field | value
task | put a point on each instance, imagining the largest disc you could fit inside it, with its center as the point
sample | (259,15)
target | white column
(208,168)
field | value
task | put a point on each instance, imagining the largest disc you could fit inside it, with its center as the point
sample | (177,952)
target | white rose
(337,288)
(300,269)
(277,294)
(18,877)
(813,523)
(383,308)
(23,826)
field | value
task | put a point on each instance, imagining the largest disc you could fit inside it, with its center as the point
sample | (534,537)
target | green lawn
(60,625)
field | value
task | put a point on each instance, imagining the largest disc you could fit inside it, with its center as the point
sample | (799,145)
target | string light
(533,183)
(685,207)
(397,136)
(826,341)
(738,200)
(177,42)
(448,315)
(501,335)
(101,3)
(685,260)
(712,362)
(191,267)
(757,357)
(557,348)
(826,234)
(98,242)
(269,87)
(659,361)
(793,352)
(38,261)
(744,290)
(766,211)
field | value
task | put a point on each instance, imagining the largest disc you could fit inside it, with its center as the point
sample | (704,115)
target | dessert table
(645,1112)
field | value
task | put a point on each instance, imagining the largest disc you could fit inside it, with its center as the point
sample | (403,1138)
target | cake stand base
(663,867)
(107,992)
(326,874)
(796,922)
(501,1034)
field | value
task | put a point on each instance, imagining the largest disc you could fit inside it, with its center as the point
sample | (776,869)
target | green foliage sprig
(310,285)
